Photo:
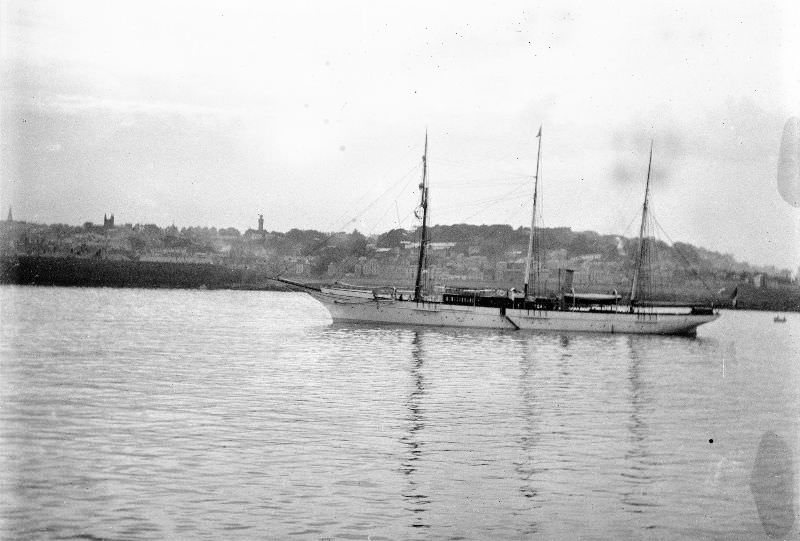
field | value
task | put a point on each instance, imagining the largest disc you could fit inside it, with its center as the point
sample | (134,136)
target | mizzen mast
(533,216)
(423,241)
(640,250)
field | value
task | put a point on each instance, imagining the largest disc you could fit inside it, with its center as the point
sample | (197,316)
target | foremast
(533,214)
(423,241)
(640,250)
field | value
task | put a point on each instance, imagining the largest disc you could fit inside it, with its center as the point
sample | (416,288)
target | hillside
(459,254)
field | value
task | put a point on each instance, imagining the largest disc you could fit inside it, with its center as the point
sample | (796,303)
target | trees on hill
(496,242)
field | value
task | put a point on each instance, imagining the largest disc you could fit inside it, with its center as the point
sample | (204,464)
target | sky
(315,115)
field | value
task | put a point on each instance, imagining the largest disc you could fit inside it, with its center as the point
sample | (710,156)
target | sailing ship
(508,309)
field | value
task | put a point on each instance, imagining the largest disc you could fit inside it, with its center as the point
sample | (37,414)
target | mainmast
(533,216)
(640,250)
(423,241)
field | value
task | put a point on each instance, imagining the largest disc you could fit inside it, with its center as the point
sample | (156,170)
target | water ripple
(142,414)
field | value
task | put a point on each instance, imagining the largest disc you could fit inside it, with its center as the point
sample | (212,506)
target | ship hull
(435,314)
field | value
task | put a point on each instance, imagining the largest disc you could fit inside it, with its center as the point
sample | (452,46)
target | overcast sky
(314,113)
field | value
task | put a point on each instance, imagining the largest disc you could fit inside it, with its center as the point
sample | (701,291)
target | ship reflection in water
(254,417)
(640,462)
(525,466)
(416,500)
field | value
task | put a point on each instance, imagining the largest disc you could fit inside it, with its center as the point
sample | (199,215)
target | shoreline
(60,271)
(85,272)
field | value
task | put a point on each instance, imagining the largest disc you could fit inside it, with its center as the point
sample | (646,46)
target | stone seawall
(73,271)
(94,272)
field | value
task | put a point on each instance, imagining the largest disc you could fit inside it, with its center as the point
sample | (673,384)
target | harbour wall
(96,272)
(86,272)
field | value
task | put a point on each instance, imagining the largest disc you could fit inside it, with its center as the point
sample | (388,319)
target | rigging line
(509,195)
(406,217)
(344,214)
(628,226)
(404,159)
(506,169)
(350,258)
(479,159)
(503,197)
(449,180)
(481,183)
(646,276)
(479,203)
(502,154)
(474,159)
(397,210)
(323,242)
(382,216)
(366,208)
(513,216)
(628,196)
(389,208)
(689,263)
(387,190)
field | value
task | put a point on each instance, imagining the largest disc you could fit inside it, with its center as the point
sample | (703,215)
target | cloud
(631,146)
(207,111)
(81,104)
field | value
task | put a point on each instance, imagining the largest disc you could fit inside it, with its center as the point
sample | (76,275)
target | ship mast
(640,250)
(533,216)
(423,241)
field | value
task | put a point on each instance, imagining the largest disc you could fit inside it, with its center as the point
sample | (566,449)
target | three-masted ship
(509,309)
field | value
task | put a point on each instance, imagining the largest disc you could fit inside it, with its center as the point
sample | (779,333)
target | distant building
(10,215)
(256,234)
(108,222)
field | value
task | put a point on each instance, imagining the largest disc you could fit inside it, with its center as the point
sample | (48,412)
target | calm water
(151,414)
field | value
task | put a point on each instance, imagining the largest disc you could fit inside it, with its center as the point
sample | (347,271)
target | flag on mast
(540,132)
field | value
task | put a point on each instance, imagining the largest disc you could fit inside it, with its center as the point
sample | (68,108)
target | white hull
(386,311)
